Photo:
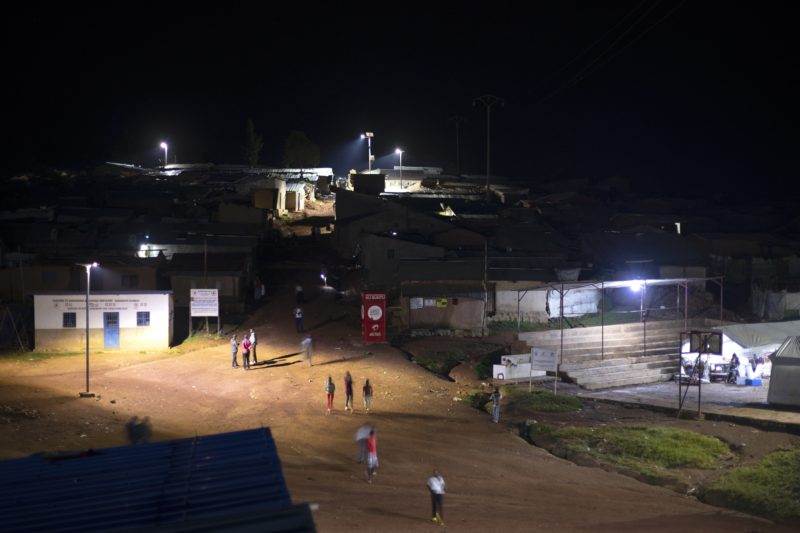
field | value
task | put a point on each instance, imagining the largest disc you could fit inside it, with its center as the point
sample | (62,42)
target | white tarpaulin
(766,336)
(784,384)
(577,302)
(750,340)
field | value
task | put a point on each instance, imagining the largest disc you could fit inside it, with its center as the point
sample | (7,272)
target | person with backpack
(367,390)
(330,389)
(246,352)
(348,392)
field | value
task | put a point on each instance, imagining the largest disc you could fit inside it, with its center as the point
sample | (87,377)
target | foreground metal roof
(231,482)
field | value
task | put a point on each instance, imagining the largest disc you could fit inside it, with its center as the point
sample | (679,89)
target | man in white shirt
(436,488)
(253,343)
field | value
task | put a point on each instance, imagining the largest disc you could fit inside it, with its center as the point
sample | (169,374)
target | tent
(752,340)
(784,386)
(758,339)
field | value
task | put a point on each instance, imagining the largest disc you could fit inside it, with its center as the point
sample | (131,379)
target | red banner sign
(373,317)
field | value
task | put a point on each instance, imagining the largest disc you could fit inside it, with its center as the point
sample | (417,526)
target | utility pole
(458,120)
(488,101)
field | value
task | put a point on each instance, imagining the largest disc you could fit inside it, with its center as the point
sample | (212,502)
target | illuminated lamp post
(399,152)
(368,136)
(165,147)
(88,267)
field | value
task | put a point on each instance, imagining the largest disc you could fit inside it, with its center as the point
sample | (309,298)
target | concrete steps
(638,378)
(615,357)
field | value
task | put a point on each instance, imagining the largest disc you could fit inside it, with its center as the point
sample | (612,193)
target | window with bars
(69,320)
(142,318)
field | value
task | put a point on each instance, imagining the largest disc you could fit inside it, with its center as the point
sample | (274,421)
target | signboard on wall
(373,317)
(204,302)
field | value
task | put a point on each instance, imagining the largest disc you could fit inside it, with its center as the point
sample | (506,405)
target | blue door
(111,330)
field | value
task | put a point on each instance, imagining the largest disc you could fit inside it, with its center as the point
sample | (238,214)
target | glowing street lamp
(165,147)
(370,158)
(88,267)
(399,152)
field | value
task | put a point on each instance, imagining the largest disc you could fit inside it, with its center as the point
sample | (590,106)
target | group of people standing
(330,390)
(249,343)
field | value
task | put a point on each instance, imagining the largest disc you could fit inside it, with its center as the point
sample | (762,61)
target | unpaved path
(496,481)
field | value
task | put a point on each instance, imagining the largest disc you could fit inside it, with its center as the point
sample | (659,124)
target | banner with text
(373,317)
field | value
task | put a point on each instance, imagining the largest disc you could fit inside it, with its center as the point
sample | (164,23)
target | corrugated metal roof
(296,186)
(180,484)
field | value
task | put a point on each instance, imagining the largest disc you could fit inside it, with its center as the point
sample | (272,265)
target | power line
(592,45)
(599,61)
(642,34)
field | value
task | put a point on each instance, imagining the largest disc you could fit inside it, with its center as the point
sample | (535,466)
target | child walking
(330,388)
(367,390)
(348,391)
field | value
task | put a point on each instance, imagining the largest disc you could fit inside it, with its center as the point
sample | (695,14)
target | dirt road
(495,480)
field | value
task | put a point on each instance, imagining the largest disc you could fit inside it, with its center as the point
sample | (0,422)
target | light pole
(488,101)
(458,120)
(165,147)
(88,267)
(399,152)
(368,136)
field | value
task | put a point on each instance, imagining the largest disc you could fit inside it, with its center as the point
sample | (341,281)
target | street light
(88,267)
(370,158)
(399,152)
(488,101)
(165,147)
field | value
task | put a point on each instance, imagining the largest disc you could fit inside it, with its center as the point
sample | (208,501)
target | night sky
(706,97)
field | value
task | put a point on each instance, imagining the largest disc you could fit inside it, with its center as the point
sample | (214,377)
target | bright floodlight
(636,285)
(163,145)
(363,136)
(95,264)
(398,151)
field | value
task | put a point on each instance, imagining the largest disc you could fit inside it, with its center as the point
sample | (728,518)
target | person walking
(253,345)
(234,351)
(246,353)
(330,388)
(367,390)
(348,392)
(299,295)
(436,488)
(306,347)
(372,455)
(361,436)
(496,397)
(298,319)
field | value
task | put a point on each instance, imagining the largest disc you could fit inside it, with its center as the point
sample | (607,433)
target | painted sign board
(204,302)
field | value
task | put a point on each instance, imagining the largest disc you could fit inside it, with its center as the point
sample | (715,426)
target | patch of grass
(511,325)
(770,488)
(483,368)
(34,356)
(440,362)
(539,400)
(647,450)
(199,341)
(477,399)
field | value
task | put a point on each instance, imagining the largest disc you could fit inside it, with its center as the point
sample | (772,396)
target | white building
(127,321)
